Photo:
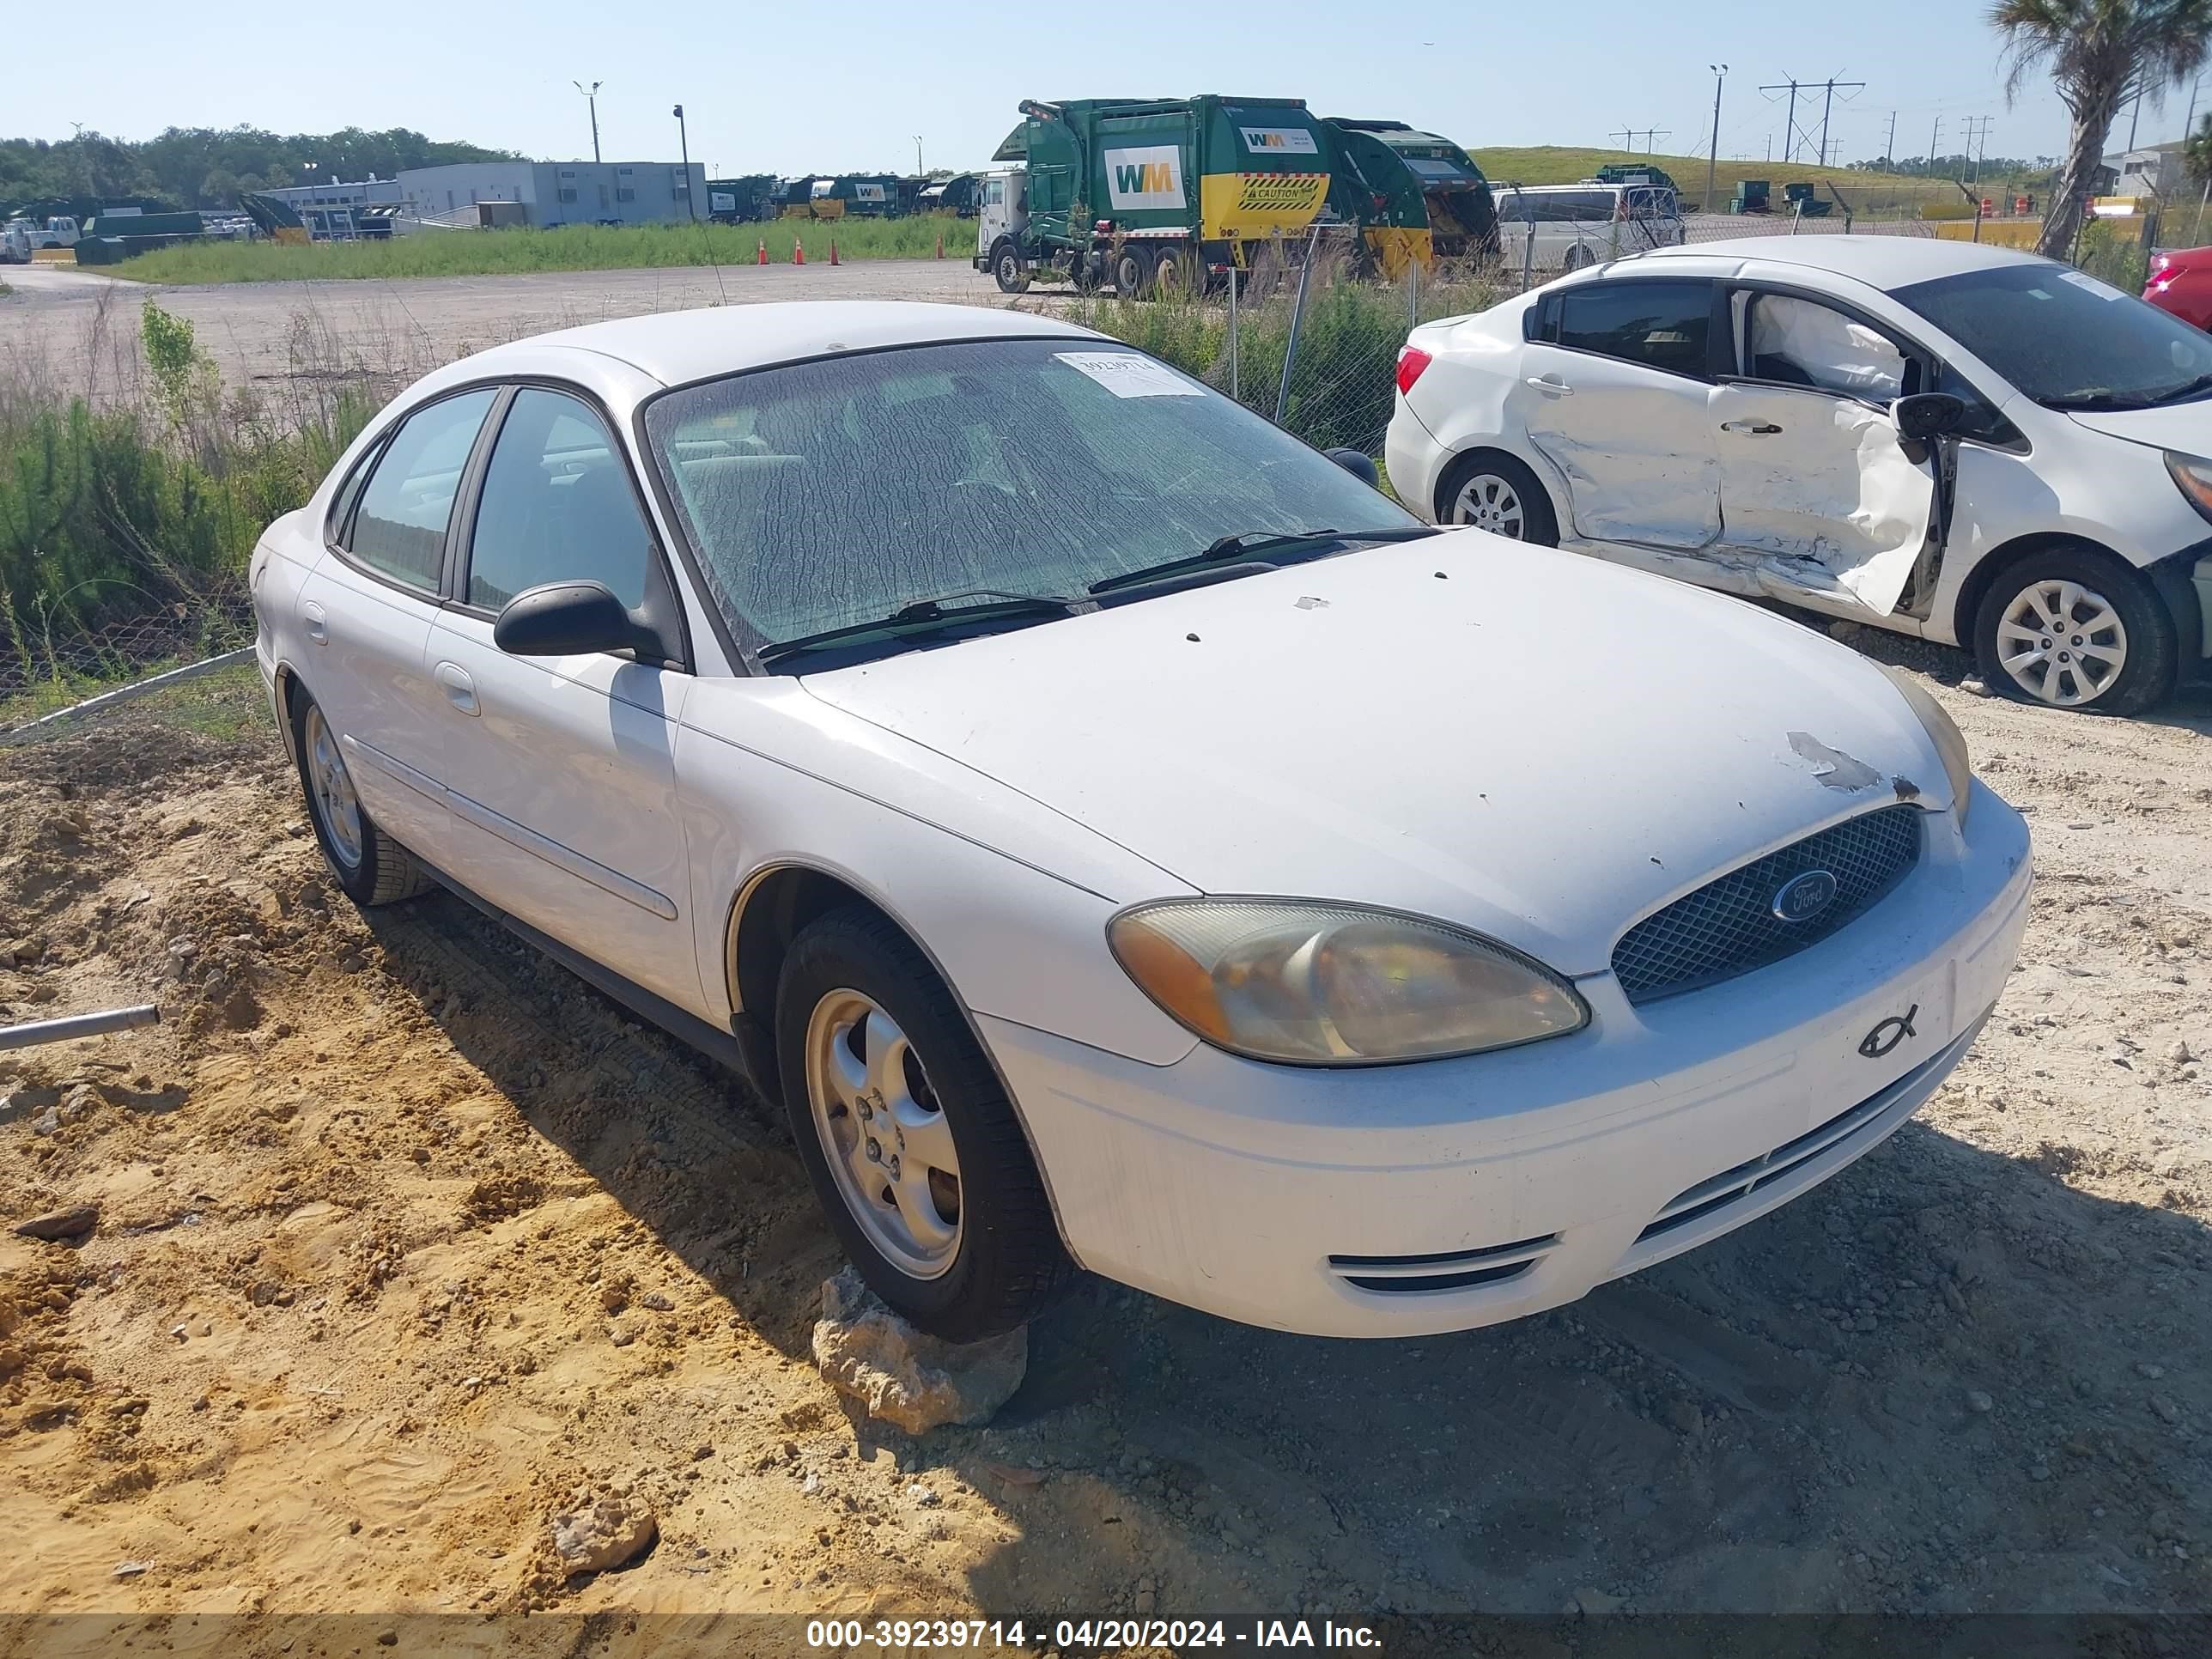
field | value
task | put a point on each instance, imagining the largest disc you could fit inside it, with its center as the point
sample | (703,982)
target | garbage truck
(1462,217)
(1375,189)
(1142,194)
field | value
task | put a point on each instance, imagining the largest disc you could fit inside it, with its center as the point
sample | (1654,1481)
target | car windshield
(2066,339)
(828,494)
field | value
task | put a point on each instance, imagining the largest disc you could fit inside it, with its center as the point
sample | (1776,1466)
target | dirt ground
(406,1234)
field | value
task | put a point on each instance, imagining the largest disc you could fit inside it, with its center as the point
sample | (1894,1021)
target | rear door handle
(461,689)
(314,622)
(1551,385)
(1756,428)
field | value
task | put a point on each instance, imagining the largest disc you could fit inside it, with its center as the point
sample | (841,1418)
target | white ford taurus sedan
(1966,443)
(1120,837)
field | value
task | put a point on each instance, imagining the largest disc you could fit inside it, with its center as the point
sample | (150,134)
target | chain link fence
(46,660)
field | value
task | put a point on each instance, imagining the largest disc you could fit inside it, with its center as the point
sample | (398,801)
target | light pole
(592,97)
(917,155)
(1713,155)
(684,139)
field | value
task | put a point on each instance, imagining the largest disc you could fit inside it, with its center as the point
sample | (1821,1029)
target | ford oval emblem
(1803,896)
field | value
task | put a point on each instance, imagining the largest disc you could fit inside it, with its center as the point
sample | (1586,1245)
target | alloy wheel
(884,1133)
(1490,502)
(2062,643)
(336,805)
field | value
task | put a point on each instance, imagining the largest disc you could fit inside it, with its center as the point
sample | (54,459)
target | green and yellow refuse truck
(1141,194)
(1462,215)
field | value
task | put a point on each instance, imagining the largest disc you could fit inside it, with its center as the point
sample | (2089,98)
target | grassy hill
(1867,193)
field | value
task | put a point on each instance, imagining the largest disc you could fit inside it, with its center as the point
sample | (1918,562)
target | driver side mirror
(1921,418)
(1358,464)
(571,619)
(1926,415)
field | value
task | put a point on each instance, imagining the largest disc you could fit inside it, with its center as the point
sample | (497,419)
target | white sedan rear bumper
(1407,1199)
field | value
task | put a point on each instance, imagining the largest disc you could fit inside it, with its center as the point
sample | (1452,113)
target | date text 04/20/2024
(1076,1635)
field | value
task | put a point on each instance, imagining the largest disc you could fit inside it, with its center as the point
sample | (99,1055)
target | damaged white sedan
(1965,443)
(1120,836)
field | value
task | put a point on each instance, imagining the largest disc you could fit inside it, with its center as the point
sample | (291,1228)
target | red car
(2181,282)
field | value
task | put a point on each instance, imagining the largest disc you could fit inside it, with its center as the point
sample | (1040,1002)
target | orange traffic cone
(833,249)
(798,252)
(941,244)
(763,251)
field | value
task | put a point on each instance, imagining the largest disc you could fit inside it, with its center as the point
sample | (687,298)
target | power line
(1651,135)
(1827,90)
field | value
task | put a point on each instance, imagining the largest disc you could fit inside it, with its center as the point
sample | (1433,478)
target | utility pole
(1828,103)
(1713,155)
(1793,87)
(1934,134)
(2135,114)
(592,97)
(1889,147)
(683,138)
(1627,136)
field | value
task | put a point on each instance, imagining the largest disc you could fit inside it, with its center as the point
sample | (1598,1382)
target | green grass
(1867,193)
(570,247)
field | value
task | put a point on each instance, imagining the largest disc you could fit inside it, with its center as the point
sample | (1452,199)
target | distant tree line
(2026,169)
(210,168)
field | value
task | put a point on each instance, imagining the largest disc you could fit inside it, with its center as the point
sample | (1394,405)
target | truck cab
(1002,217)
(60,232)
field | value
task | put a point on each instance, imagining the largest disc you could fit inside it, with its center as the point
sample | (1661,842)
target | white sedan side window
(1805,344)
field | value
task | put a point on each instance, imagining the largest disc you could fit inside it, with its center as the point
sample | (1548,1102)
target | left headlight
(1320,984)
(2193,478)
(1942,732)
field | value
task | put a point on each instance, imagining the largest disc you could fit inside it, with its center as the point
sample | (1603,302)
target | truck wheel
(1132,271)
(1006,266)
(1176,271)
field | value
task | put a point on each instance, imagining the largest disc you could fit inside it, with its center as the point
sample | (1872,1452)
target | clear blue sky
(791,88)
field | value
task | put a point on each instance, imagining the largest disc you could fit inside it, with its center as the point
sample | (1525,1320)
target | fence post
(1413,292)
(1528,255)
(1297,316)
(1978,218)
(1234,389)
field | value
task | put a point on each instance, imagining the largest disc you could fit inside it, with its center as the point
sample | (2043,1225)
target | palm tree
(2099,54)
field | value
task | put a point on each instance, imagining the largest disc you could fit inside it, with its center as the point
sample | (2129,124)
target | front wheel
(908,1136)
(1006,268)
(1494,492)
(2075,628)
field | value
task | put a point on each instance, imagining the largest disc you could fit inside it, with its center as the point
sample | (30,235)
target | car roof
(677,346)
(1884,262)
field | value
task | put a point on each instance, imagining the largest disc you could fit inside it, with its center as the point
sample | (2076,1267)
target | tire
(1007,267)
(1575,258)
(371,867)
(1493,476)
(2104,604)
(1131,270)
(1003,1263)
(1174,272)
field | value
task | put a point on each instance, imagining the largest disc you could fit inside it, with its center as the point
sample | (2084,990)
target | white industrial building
(559,192)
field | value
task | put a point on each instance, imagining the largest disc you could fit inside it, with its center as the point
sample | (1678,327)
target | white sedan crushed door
(1616,401)
(1816,487)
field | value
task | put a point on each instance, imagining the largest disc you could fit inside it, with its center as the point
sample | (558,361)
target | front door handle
(1756,428)
(461,689)
(1551,385)
(314,622)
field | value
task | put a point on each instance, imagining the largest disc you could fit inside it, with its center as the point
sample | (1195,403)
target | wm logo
(1144,178)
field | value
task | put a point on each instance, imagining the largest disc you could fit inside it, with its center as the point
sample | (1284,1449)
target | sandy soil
(406,1234)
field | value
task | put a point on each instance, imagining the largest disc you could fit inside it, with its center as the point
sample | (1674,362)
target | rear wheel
(372,867)
(908,1136)
(1175,272)
(1007,267)
(2075,628)
(1494,492)
(1133,270)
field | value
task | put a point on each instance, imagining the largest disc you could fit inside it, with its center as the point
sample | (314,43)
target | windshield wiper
(1244,545)
(2188,388)
(926,615)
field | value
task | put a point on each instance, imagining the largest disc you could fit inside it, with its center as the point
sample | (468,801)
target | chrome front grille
(1728,926)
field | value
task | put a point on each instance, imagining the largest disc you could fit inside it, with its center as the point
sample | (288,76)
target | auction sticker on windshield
(1127,375)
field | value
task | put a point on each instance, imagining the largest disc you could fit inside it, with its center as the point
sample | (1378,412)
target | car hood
(1527,742)
(2185,427)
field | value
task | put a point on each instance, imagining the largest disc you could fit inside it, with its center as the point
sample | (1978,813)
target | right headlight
(1942,732)
(1320,984)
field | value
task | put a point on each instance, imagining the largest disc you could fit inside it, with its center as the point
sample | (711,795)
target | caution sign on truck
(1241,206)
